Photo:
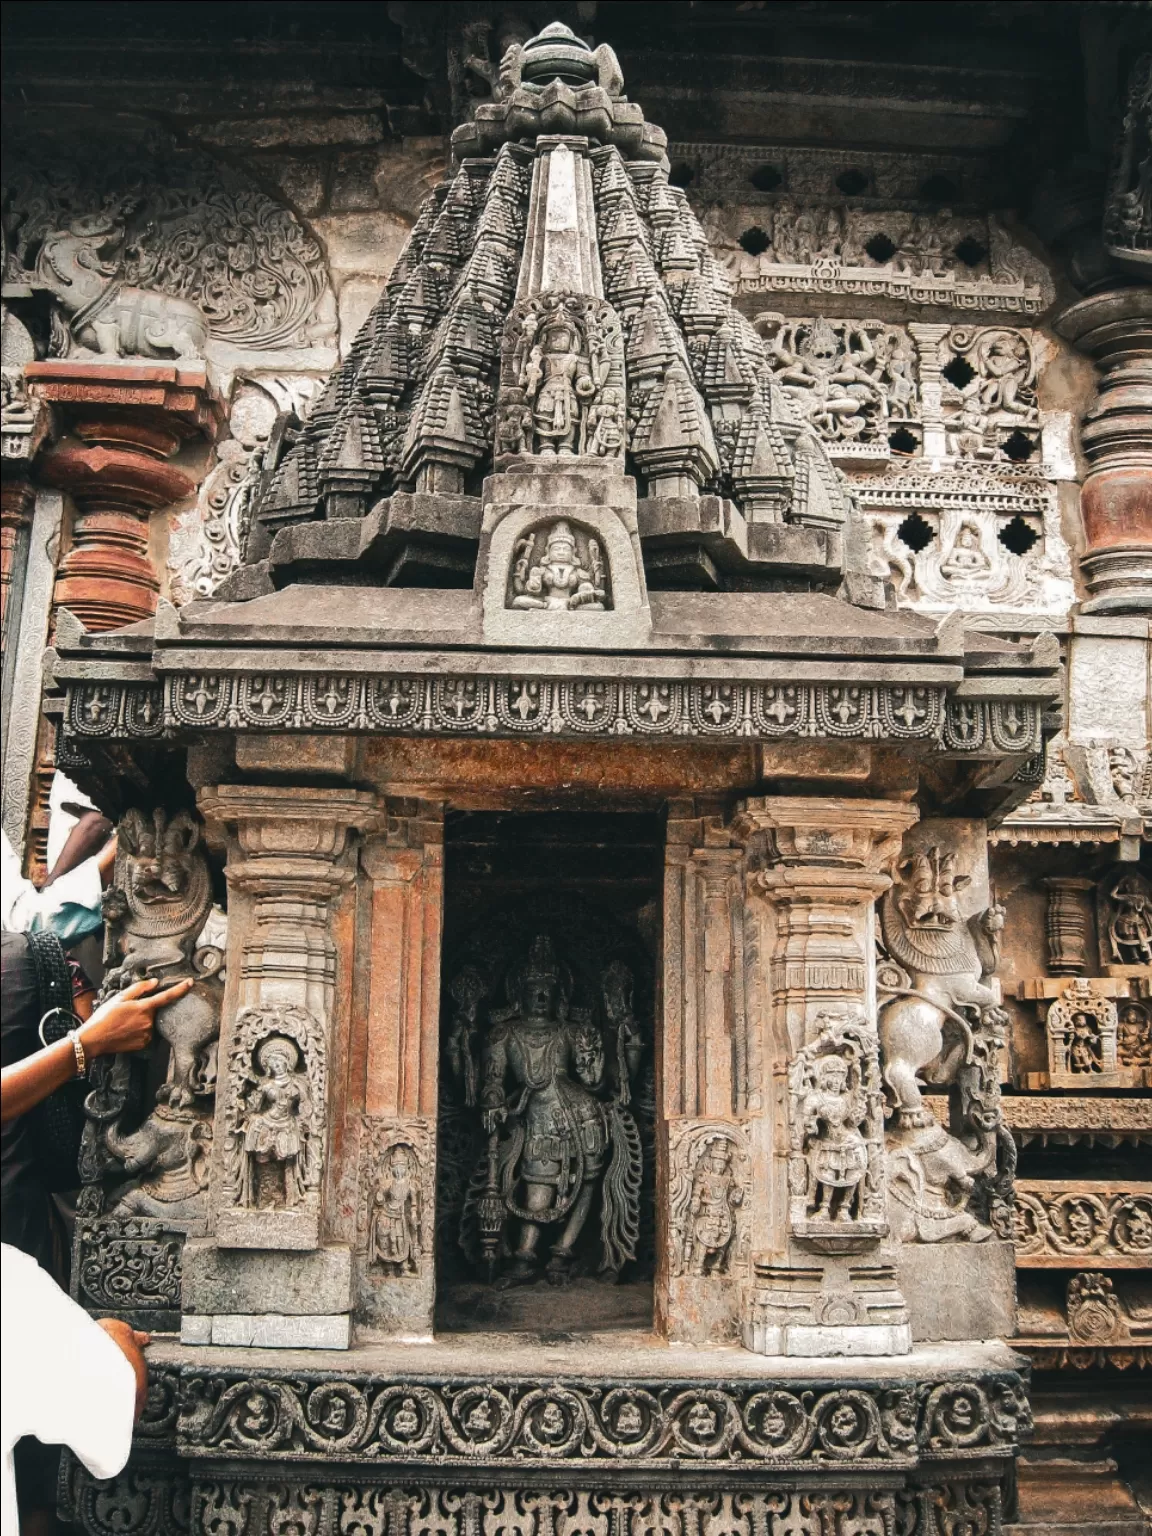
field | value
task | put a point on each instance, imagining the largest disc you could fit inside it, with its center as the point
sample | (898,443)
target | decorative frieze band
(650,1424)
(1091,1224)
(587,707)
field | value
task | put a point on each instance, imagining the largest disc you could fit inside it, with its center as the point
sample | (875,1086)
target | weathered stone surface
(230,1281)
(949,1299)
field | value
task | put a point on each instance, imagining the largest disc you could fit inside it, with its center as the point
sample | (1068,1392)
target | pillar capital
(123,423)
(811,833)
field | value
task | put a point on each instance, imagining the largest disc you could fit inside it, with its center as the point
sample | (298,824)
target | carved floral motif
(1084,1222)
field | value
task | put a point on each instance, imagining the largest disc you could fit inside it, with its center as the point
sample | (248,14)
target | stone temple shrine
(619,655)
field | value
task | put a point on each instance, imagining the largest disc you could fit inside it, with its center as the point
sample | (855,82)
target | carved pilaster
(816,867)
(389,1151)
(1115,330)
(290,861)
(1068,924)
(928,339)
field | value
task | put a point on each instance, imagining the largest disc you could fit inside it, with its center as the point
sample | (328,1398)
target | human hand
(124,1022)
(131,1343)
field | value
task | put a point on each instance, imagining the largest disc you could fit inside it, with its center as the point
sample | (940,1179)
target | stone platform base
(947,1300)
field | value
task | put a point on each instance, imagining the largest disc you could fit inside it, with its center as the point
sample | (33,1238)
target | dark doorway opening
(545,1183)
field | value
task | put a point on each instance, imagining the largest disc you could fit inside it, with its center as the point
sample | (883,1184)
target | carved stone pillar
(124,422)
(1068,924)
(389,1157)
(704,1073)
(928,339)
(1115,330)
(291,868)
(825,1277)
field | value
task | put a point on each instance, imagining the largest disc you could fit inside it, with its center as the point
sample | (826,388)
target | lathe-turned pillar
(824,1274)
(291,867)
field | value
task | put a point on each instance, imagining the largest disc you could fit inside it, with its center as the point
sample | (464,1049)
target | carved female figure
(838,1153)
(275,1126)
(395,1224)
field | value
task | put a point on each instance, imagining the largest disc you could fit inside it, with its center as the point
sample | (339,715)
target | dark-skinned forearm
(26,1083)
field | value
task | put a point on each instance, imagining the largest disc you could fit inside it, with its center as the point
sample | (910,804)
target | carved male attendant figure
(557,381)
(397,1216)
(712,1224)
(561,1135)
(838,1153)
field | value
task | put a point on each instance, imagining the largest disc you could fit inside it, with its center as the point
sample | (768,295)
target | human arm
(123,1023)
(70,906)
(91,837)
(131,1344)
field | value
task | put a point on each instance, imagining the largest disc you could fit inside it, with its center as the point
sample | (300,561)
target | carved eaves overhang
(414,663)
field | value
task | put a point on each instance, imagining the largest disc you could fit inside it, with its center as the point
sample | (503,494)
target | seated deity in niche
(394,1227)
(558,1130)
(275,1122)
(558,580)
(966,560)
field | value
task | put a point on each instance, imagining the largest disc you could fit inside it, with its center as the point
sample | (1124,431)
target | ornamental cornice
(474,704)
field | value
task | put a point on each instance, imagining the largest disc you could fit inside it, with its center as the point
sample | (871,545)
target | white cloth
(61,1378)
(60,821)
(70,906)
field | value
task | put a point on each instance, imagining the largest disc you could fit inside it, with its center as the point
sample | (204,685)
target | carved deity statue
(561,379)
(837,1128)
(275,1121)
(1130,921)
(557,579)
(715,1197)
(966,560)
(559,1131)
(558,384)
(396,1222)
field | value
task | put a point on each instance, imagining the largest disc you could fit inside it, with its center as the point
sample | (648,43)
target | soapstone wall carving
(941,1022)
(397,1197)
(154,251)
(559,567)
(1082,1029)
(275,1111)
(1125,919)
(928,260)
(562,379)
(836,1149)
(158,911)
(709,1196)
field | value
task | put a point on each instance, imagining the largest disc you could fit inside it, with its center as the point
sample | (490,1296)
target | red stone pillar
(123,423)
(1115,330)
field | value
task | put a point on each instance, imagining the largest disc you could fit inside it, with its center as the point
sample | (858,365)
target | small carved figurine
(396,1223)
(276,1128)
(837,1152)
(558,581)
(711,1223)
